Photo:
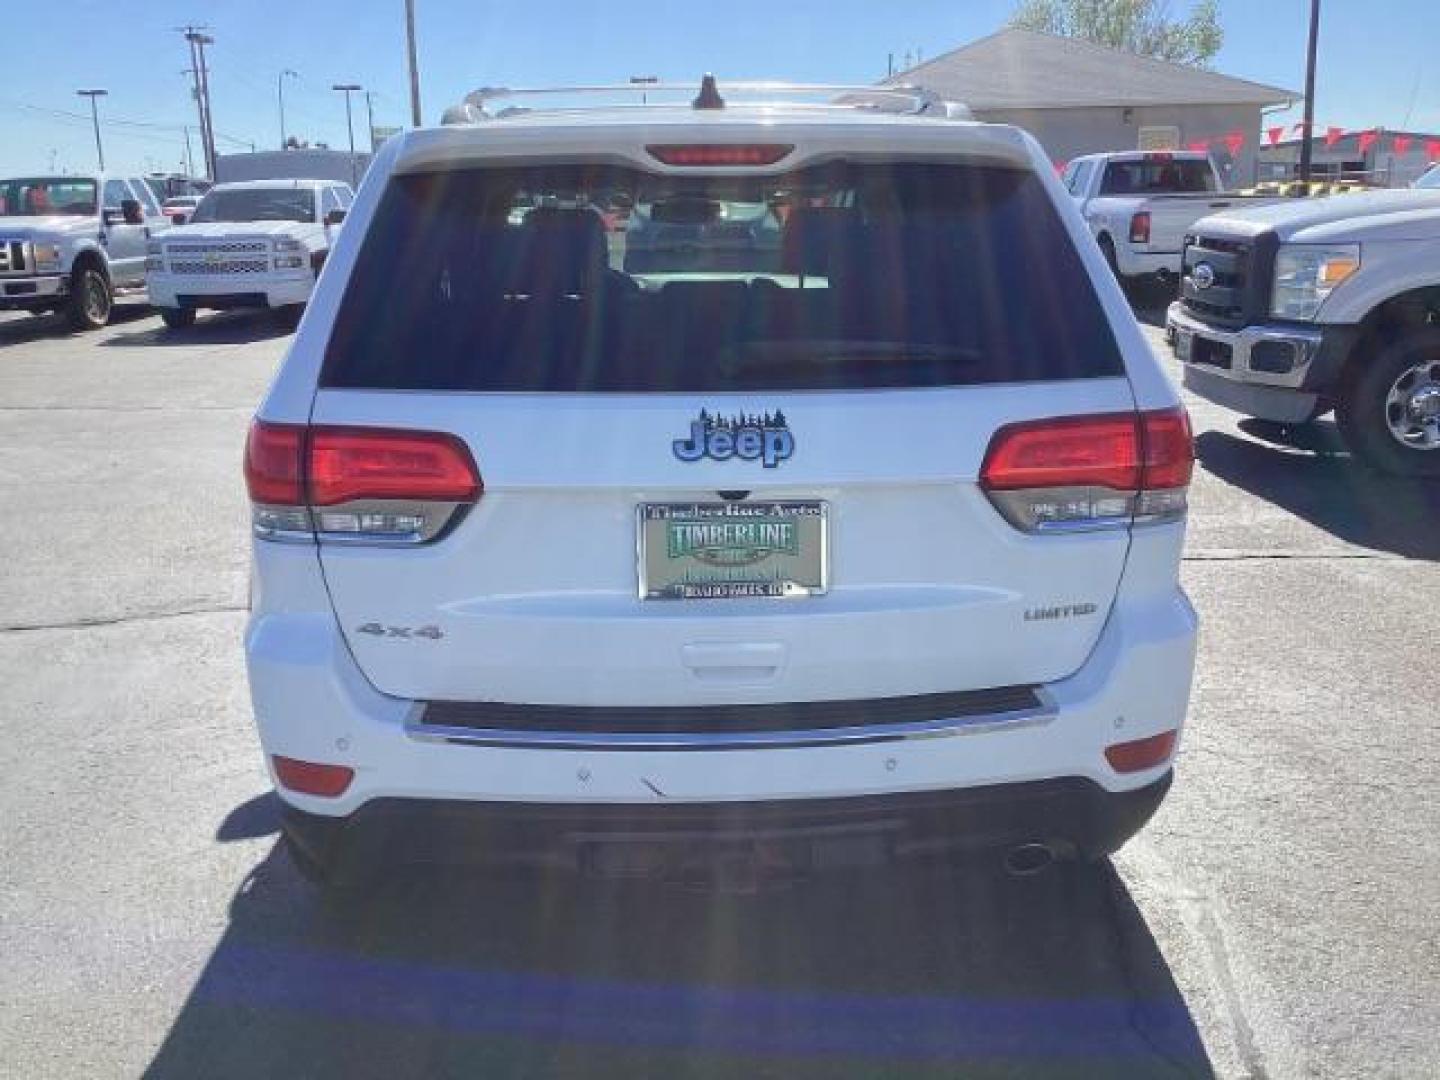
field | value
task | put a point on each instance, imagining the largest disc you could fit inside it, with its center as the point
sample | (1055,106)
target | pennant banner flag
(1198,144)
(1332,135)
(1432,149)
(1234,140)
(1366,138)
(1402,143)
(1274,133)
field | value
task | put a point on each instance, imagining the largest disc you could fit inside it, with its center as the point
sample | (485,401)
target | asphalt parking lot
(1277,919)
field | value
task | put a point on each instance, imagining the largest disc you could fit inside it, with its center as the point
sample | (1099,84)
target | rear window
(581,278)
(1157,178)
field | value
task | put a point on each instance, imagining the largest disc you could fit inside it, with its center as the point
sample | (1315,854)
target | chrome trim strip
(738,740)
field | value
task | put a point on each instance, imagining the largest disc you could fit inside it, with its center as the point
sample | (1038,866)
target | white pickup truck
(74,243)
(257,244)
(1140,205)
(1288,311)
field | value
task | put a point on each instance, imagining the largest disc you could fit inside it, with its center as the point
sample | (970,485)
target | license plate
(1184,345)
(727,551)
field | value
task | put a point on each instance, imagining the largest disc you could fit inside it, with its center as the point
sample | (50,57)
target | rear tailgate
(535,592)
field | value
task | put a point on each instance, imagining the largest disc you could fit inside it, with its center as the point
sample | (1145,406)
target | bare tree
(1138,26)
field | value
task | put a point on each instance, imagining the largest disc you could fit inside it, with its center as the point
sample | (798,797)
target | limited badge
(745,436)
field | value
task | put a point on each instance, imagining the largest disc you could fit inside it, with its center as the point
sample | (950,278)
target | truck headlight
(47,256)
(1306,275)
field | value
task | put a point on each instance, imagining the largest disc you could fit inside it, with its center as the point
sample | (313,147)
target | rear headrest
(817,237)
(558,250)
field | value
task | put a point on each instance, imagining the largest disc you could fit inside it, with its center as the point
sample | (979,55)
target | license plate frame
(764,568)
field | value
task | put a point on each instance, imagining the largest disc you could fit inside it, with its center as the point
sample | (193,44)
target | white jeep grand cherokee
(861,547)
(254,244)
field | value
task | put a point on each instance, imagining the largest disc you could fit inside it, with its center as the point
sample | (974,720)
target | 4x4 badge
(745,436)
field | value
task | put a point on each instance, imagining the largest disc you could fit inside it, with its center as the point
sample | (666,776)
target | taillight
(733,154)
(1090,472)
(358,485)
(1140,228)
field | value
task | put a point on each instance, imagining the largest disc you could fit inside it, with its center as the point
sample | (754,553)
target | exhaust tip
(1026,860)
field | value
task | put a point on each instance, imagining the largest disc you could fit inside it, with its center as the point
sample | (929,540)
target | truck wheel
(178,318)
(289,315)
(1389,407)
(1107,248)
(90,300)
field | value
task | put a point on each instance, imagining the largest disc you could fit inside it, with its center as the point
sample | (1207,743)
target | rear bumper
(1146,263)
(1073,817)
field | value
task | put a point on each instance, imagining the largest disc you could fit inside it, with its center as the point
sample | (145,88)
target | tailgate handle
(734,661)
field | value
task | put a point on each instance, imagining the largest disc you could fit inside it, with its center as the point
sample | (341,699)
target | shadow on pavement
(23,329)
(1307,471)
(227,328)
(914,972)
(1149,298)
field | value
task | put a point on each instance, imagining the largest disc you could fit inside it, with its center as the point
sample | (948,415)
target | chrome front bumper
(1264,355)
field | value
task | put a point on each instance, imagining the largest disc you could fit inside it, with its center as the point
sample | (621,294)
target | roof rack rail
(913,100)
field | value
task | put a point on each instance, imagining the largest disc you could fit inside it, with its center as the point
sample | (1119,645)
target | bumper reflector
(1128,757)
(312,778)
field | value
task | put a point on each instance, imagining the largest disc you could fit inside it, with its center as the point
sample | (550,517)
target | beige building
(1080,98)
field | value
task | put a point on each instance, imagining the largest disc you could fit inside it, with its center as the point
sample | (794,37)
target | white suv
(866,550)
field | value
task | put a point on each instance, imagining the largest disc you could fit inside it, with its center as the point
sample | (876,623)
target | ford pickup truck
(1288,311)
(74,243)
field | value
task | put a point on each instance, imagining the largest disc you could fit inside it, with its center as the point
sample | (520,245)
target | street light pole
(95,119)
(348,88)
(1307,132)
(280,92)
(414,66)
(370,117)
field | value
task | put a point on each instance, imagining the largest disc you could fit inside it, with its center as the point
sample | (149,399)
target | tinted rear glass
(599,279)
(1157,178)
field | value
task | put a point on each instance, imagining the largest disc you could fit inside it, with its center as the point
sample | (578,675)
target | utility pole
(198,69)
(189,161)
(95,119)
(1308,131)
(370,118)
(414,66)
(280,92)
(348,88)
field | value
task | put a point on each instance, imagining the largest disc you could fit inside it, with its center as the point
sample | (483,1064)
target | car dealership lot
(1276,919)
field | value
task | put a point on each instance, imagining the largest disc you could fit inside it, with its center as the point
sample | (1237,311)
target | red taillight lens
(1100,451)
(361,485)
(346,464)
(737,154)
(1086,472)
(1140,228)
(272,463)
(312,778)
(1169,448)
(1128,757)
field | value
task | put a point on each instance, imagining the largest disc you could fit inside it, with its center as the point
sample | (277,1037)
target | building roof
(1026,69)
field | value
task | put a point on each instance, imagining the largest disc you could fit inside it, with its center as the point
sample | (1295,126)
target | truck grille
(221,257)
(1238,290)
(224,266)
(12,257)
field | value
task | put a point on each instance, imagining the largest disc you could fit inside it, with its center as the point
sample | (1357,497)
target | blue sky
(1378,60)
